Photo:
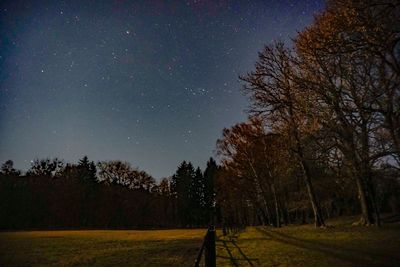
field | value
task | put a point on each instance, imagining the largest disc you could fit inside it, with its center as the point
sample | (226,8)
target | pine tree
(209,191)
(87,170)
(181,184)
(197,202)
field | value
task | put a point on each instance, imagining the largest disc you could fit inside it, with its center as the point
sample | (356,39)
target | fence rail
(208,249)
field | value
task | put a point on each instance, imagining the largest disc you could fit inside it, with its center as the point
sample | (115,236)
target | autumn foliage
(324,126)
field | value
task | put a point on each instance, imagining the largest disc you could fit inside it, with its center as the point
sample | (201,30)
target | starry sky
(149,82)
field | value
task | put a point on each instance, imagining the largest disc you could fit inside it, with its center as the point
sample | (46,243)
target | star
(141,74)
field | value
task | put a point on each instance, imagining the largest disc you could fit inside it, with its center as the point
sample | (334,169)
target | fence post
(210,254)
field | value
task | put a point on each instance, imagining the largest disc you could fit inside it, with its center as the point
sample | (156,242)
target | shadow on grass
(235,261)
(353,256)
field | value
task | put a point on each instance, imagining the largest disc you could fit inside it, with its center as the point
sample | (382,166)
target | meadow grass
(339,245)
(100,248)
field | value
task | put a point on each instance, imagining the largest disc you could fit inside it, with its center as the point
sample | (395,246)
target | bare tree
(354,83)
(46,167)
(275,95)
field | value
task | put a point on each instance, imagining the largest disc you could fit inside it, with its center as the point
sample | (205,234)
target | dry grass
(100,248)
(341,245)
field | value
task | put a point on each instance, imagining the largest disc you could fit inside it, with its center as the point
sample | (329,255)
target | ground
(100,248)
(341,244)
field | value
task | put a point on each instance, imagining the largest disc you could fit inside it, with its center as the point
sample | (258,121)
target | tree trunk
(364,183)
(267,213)
(287,214)
(372,199)
(366,214)
(260,187)
(318,218)
(278,217)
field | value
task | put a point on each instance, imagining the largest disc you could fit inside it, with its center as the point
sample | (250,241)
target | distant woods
(109,194)
(194,195)
(323,138)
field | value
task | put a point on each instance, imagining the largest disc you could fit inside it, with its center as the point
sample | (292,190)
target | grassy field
(339,245)
(100,248)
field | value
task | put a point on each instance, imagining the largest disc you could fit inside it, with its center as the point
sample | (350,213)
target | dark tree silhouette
(46,167)
(209,190)
(87,170)
(8,169)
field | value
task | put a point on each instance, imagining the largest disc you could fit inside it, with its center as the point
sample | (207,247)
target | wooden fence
(208,249)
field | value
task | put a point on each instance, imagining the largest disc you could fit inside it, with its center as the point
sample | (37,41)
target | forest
(322,140)
(107,195)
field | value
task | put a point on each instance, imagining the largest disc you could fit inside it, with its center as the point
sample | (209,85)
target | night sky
(148,82)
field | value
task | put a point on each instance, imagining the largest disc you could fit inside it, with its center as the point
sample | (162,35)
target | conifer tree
(209,191)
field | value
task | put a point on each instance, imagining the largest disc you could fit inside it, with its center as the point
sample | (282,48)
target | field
(100,248)
(338,245)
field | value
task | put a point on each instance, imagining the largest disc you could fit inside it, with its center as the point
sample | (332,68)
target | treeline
(323,138)
(109,194)
(193,194)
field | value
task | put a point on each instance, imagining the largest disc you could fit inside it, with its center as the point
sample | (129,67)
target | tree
(115,172)
(275,95)
(240,157)
(46,167)
(196,198)
(164,187)
(8,169)
(144,180)
(121,173)
(181,191)
(87,170)
(367,32)
(349,66)
(209,190)
(261,163)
